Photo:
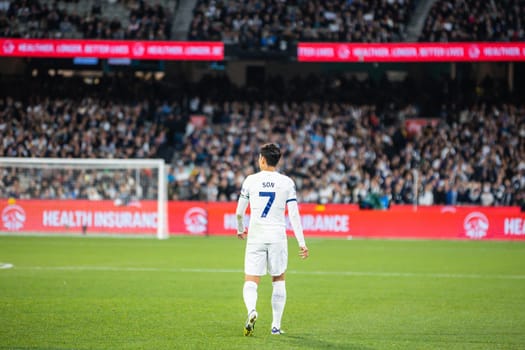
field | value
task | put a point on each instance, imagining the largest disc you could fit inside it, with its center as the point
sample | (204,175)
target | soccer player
(268,193)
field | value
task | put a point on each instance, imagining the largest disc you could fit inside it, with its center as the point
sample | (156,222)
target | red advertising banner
(218,218)
(143,50)
(338,220)
(411,52)
(78,216)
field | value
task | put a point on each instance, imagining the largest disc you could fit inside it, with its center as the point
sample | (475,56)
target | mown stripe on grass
(331,273)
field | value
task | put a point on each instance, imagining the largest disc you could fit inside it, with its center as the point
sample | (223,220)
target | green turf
(186,293)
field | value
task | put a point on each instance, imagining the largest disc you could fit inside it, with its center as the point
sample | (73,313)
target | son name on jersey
(268,184)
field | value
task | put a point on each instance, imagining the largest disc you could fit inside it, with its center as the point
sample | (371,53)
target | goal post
(87,196)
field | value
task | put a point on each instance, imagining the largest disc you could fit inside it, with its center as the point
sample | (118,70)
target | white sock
(249,293)
(278,302)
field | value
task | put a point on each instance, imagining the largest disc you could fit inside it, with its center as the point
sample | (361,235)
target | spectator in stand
(427,196)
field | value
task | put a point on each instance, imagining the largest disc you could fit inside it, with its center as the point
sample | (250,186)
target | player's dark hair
(271,152)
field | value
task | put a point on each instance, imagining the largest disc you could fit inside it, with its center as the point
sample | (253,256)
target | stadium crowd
(63,128)
(267,23)
(341,153)
(38,19)
(338,152)
(473,20)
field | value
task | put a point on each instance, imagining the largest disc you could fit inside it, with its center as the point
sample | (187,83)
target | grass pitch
(186,293)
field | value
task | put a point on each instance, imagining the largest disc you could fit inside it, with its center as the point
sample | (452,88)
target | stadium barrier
(73,216)
(218,218)
(347,220)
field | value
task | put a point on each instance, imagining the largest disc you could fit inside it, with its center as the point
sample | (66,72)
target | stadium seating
(264,24)
(472,20)
(345,138)
(337,151)
(91,19)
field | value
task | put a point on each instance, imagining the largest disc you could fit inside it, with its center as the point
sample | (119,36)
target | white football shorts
(266,257)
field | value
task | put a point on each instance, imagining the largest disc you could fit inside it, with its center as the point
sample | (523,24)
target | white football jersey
(268,193)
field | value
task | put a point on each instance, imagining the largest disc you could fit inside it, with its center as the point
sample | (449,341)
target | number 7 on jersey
(271,197)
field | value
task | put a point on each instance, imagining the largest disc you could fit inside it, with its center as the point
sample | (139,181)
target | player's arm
(295,220)
(242,204)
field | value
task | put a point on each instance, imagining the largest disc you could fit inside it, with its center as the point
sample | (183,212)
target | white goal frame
(98,163)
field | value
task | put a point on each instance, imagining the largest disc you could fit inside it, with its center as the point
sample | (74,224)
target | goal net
(83,196)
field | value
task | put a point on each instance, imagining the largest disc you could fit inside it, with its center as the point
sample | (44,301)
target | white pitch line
(321,273)
(5,266)
(127,269)
(411,274)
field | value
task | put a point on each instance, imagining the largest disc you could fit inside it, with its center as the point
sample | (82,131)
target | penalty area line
(318,273)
